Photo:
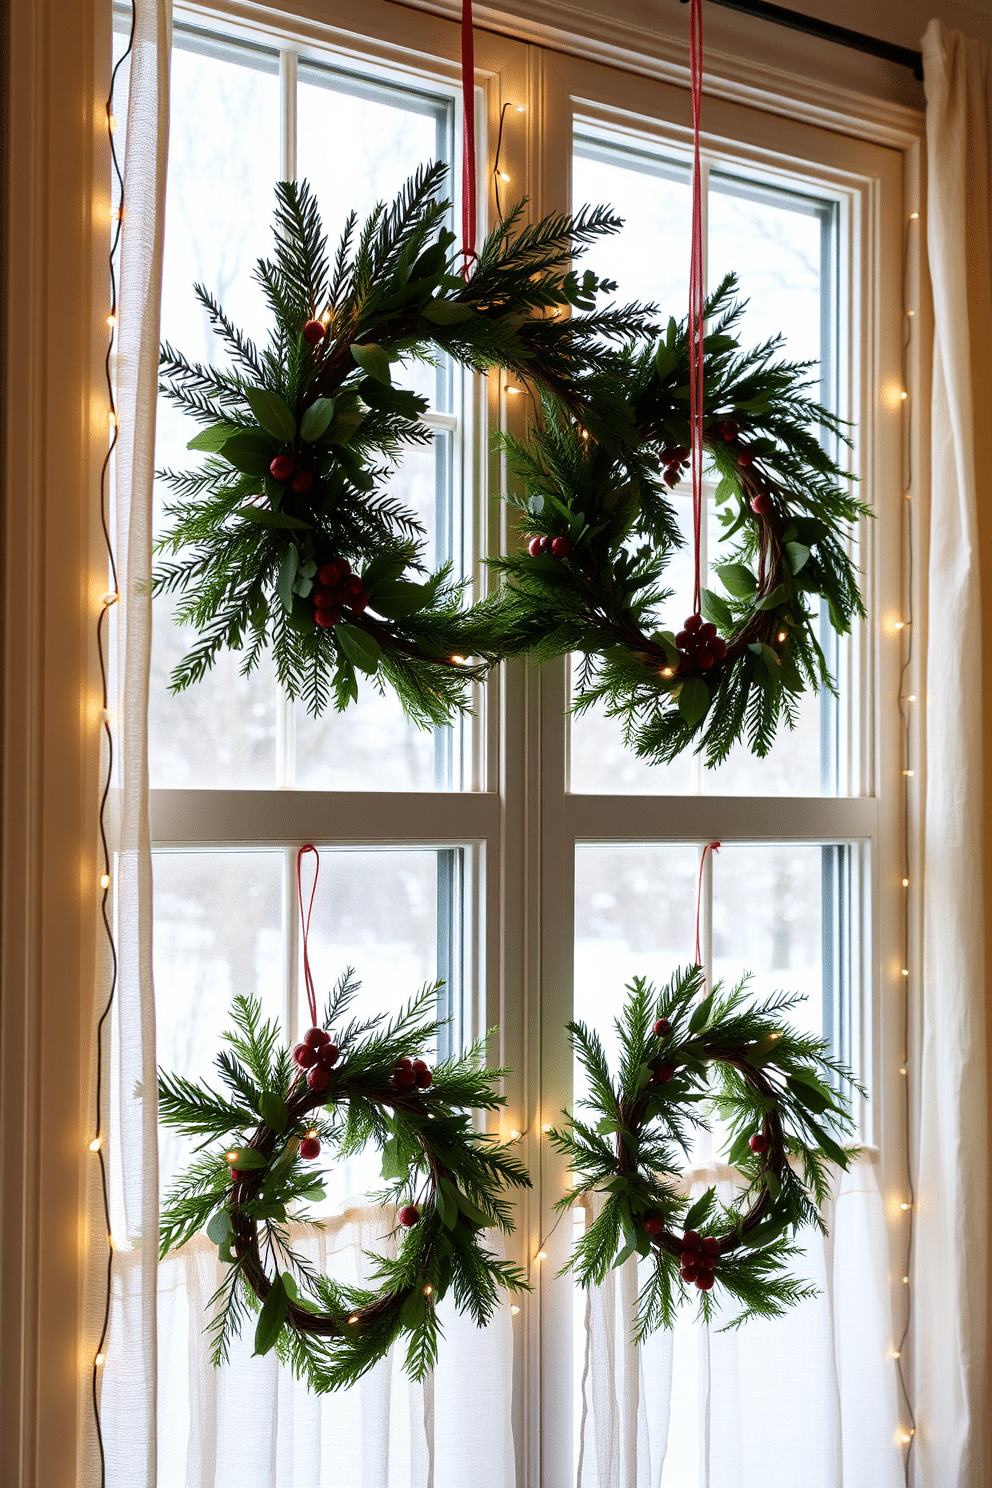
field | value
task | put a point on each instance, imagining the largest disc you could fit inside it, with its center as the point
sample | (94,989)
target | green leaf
(725,490)
(446,1207)
(343,425)
(737,580)
(315,1194)
(271,1317)
(397,599)
(373,361)
(763,1234)
(833,1150)
(263,518)
(773,600)
(249,452)
(273,414)
(214,438)
(694,700)
(665,361)
(273,1107)
(287,577)
(244,1159)
(447,312)
(629,1249)
(361,649)
(701,1016)
(699,1210)
(716,609)
(219,1227)
(810,1098)
(796,554)
(393,1166)
(316,419)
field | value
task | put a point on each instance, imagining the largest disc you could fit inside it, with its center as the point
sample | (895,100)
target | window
(525,858)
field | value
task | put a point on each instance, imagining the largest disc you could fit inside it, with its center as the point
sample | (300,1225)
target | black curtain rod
(827,31)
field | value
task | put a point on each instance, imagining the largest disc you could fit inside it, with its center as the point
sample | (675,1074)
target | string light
(542,1255)
(428,1289)
(667,672)
(110,598)
(782,636)
(105,880)
(905,1206)
(514,1309)
(905,883)
(504,177)
(353,1318)
(515,1136)
(511,390)
(546,1129)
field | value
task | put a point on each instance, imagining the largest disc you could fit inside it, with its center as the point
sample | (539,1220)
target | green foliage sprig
(684,1052)
(597,484)
(250,1181)
(299,438)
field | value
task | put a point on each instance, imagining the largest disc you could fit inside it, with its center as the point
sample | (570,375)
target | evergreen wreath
(777,1091)
(601,532)
(364,1082)
(284,537)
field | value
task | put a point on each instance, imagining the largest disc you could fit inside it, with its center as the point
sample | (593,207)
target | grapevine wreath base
(775,1090)
(346,1084)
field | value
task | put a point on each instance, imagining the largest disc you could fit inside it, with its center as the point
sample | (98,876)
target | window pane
(218,934)
(223,164)
(782,247)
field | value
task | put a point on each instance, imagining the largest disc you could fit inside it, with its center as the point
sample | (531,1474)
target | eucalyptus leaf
(694,700)
(361,649)
(219,1227)
(287,576)
(373,360)
(716,609)
(447,312)
(213,439)
(275,417)
(271,1317)
(737,580)
(316,419)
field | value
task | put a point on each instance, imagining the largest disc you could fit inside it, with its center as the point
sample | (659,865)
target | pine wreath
(365,1082)
(284,537)
(601,533)
(777,1091)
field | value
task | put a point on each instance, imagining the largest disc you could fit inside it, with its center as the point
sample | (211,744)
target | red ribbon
(696,296)
(305,923)
(711,847)
(469,187)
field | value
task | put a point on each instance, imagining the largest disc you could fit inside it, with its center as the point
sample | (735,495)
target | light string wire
(908,1436)
(107,603)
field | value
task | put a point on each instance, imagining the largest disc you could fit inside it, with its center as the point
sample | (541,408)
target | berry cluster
(317,1055)
(661,1070)
(411,1073)
(337,589)
(674,458)
(549,547)
(284,468)
(699,1257)
(699,645)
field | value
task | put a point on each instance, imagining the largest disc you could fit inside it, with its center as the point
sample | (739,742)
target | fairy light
(109,599)
(514,1309)
(428,1290)
(667,672)
(782,636)
(504,177)
(515,1136)
(542,1255)
(547,1129)
(312,1132)
(230,1157)
(511,390)
(353,1318)
(904,629)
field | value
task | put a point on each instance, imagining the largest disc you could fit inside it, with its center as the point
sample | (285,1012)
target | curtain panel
(951,1266)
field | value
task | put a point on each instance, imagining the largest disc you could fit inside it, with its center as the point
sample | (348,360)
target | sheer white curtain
(951,1273)
(129,1378)
(806,1399)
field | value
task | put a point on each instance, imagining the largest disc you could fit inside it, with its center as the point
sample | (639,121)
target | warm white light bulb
(428,1290)
(905,1206)
(542,1255)
(111,320)
(105,880)
(514,1309)
(353,1318)
(905,883)
(511,389)
(96,1144)
(546,1129)
(503,176)
(98,1359)
(515,1136)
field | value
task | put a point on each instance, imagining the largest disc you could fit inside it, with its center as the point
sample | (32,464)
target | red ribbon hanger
(305,923)
(469,185)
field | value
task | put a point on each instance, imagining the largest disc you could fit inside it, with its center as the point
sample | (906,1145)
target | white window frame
(518,822)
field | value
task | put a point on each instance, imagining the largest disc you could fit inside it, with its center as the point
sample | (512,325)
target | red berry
(403,1079)
(352,584)
(664,1073)
(304,1056)
(662,1028)
(344,565)
(326,618)
(547,543)
(710,1246)
(318,1078)
(329,575)
(690,1240)
(707,632)
(672,476)
(694,623)
(718,647)
(316,1037)
(561,547)
(327,1055)
(761,503)
(403,1063)
(302,481)
(689,1273)
(704,658)
(409,1215)
(728,430)
(704,1282)
(360,603)
(758,1143)
(654,1224)
(309,1148)
(682,640)
(534,547)
(422,1074)
(314,332)
(325,598)
(281,468)
(746,457)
